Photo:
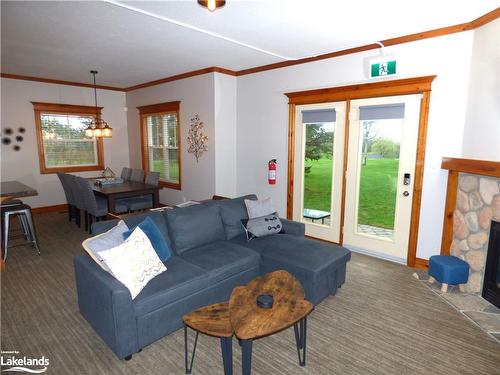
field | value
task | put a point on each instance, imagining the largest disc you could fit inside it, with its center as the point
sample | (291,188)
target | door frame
(416,85)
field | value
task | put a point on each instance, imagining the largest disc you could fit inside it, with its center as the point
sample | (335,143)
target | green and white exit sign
(382,67)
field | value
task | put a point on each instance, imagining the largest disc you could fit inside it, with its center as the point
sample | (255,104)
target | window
(62,144)
(161,142)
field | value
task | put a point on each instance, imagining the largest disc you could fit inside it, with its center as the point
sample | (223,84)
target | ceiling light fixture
(97,127)
(212,5)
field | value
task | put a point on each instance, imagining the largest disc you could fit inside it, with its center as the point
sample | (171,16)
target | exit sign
(382,67)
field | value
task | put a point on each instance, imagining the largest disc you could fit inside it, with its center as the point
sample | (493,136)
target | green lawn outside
(377,191)
(174,169)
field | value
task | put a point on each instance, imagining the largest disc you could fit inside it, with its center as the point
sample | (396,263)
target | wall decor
(8,135)
(197,141)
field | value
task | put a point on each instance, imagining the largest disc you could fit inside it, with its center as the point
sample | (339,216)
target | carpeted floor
(382,321)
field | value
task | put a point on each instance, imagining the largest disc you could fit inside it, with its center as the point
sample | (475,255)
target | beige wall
(17,111)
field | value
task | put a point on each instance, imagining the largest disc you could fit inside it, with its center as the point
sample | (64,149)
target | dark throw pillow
(262,226)
(154,235)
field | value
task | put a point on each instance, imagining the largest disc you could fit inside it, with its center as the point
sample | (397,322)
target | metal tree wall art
(196,139)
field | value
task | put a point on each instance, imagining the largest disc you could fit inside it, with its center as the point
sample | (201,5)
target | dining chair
(96,208)
(137,175)
(144,201)
(70,200)
(79,205)
(126,173)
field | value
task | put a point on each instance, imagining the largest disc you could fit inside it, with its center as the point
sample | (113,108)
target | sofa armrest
(107,305)
(293,227)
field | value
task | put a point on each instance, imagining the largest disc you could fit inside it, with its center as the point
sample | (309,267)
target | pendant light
(212,5)
(98,127)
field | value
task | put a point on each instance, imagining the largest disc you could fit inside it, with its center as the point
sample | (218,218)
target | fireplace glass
(491,284)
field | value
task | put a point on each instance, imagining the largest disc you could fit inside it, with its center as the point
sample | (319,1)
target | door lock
(406,179)
(405,193)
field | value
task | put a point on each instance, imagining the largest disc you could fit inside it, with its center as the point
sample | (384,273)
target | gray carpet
(382,321)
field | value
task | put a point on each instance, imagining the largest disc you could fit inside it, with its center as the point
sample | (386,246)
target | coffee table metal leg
(246,349)
(226,344)
(300,330)
(189,366)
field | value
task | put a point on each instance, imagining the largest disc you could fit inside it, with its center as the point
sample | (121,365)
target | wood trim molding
(176,77)
(455,166)
(364,90)
(40,108)
(46,209)
(58,82)
(66,108)
(418,85)
(159,108)
(473,166)
(421,263)
(419,179)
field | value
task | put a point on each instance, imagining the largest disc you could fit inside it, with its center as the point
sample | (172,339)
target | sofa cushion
(298,252)
(222,259)
(154,234)
(232,212)
(180,280)
(319,266)
(195,226)
(158,218)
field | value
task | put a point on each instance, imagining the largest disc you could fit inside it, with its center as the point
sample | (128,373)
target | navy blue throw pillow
(151,230)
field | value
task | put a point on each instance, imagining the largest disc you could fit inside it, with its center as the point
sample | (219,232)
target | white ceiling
(64,40)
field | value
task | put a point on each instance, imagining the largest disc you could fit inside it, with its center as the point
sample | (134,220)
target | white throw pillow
(104,241)
(261,208)
(134,262)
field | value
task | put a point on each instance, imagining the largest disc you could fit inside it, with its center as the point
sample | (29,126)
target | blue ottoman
(448,269)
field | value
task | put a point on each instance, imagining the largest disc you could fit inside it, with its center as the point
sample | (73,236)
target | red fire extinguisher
(272,165)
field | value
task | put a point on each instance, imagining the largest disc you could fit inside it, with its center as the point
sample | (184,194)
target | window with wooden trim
(161,149)
(62,144)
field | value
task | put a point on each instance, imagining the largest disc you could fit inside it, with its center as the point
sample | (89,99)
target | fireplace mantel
(472,166)
(454,167)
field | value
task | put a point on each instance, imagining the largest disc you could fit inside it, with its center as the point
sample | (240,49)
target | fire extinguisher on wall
(272,165)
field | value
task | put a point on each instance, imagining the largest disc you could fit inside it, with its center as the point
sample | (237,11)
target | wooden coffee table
(212,320)
(242,317)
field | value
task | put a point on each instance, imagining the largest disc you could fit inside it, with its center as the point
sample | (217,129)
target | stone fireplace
(477,204)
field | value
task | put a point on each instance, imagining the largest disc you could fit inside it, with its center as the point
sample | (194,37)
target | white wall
(197,97)
(263,118)
(17,111)
(482,125)
(225,135)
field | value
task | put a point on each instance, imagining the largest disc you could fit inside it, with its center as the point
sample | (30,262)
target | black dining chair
(126,173)
(142,202)
(137,175)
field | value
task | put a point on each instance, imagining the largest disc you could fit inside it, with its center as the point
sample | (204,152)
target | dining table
(125,189)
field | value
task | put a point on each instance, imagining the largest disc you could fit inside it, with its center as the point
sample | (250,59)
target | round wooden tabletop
(249,321)
(212,320)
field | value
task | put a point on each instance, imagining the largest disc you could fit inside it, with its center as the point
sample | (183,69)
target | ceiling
(64,40)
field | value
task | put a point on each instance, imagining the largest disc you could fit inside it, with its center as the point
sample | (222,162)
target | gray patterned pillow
(262,226)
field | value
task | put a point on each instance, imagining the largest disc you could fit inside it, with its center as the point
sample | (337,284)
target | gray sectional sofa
(212,256)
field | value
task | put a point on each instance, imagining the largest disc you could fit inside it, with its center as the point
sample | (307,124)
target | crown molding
(474,24)
(58,82)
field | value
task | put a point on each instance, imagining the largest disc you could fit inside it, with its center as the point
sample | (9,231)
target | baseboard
(421,263)
(376,254)
(47,209)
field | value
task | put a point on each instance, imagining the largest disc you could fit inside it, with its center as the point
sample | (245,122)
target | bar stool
(23,211)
